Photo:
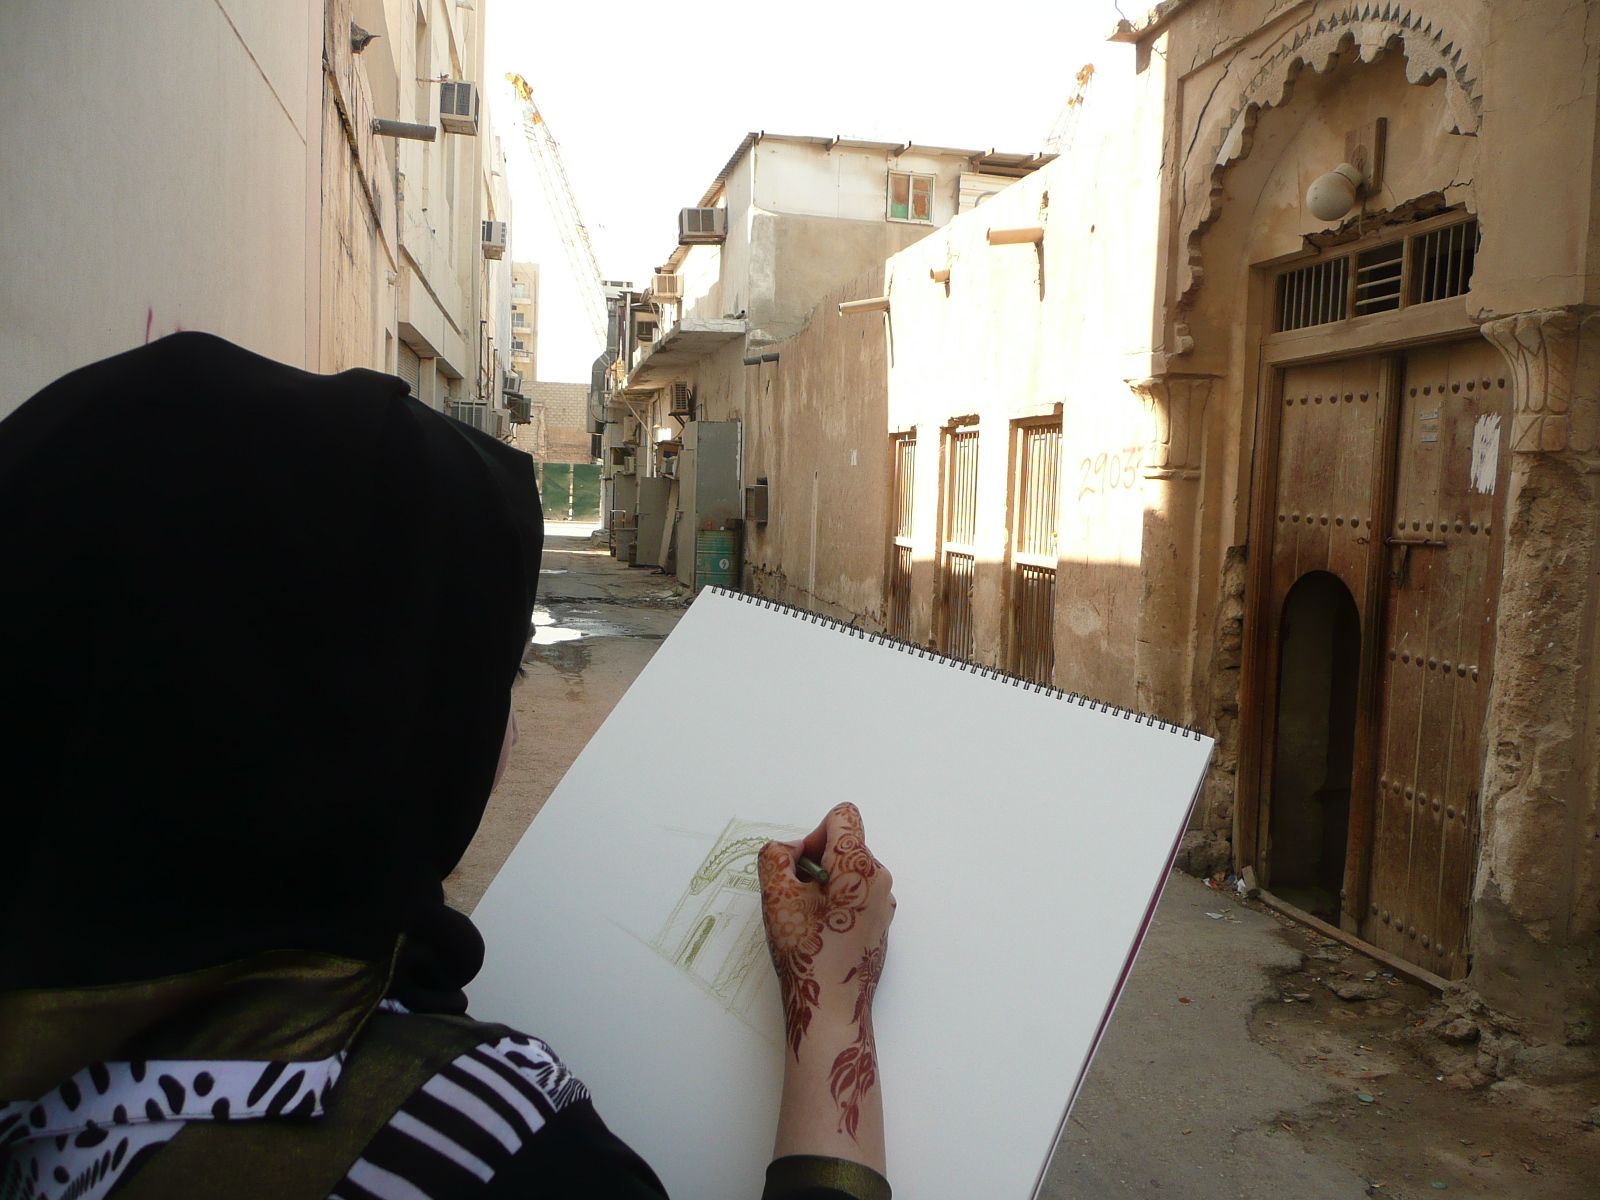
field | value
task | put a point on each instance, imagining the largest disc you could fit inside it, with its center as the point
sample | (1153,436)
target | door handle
(1402,559)
(1412,541)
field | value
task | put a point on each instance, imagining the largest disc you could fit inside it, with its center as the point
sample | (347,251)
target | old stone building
(1271,409)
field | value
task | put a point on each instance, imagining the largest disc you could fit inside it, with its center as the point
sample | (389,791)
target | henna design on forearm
(855,1070)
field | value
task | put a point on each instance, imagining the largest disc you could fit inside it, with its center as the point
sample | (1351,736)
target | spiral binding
(1017,681)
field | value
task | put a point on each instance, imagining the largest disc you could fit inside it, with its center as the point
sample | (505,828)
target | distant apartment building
(525,320)
(785,221)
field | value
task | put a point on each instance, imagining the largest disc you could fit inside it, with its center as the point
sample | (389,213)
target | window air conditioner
(702,226)
(494,239)
(458,106)
(681,403)
(513,382)
(669,287)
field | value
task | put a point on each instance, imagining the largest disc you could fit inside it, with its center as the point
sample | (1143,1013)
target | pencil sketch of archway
(714,934)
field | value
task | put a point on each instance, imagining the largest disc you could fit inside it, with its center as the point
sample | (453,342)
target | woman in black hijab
(258,632)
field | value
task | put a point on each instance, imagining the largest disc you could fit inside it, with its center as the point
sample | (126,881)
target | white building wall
(495,310)
(845,183)
(440,204)
(144,207)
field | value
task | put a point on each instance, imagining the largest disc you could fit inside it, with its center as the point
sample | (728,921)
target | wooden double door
(1385,488)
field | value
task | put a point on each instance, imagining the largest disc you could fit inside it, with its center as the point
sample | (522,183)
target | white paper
(1028,835)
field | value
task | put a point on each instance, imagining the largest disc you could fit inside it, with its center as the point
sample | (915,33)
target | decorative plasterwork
(1176,405)
(1354,32)
(1554,360)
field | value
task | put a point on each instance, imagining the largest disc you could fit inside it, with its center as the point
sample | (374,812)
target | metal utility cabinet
(655,497)
(709,490)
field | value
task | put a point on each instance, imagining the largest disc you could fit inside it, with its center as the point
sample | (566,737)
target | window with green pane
(910,196)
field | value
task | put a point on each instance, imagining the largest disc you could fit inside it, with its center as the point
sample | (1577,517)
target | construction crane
(1060,139)
(563,206)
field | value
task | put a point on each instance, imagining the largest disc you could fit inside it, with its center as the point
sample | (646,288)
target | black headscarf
(258,629)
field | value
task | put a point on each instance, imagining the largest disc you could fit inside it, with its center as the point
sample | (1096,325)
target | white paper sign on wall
(1485,453)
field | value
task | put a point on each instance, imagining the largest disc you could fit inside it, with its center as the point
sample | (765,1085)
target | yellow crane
(563,205)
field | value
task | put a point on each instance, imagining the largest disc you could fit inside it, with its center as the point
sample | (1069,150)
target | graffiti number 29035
(1108,471)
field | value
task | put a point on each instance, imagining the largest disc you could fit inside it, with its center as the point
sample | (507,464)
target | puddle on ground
(552,570)
(547,633)
(561,623)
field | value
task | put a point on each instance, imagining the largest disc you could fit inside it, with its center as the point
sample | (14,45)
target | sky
(648,101)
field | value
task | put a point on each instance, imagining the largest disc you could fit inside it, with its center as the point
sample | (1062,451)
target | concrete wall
(846,183)
(803,219)
(814,430)
(142,208)
(359,237)
(439,207)
(194,166)
(563,435)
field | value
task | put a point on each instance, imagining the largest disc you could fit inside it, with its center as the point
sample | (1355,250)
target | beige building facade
(1149,427)
(786,220)
(221,171)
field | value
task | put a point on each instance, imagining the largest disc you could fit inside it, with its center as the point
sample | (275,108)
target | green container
(716,559)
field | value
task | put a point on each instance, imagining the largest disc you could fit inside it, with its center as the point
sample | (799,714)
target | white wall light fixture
(1333,195)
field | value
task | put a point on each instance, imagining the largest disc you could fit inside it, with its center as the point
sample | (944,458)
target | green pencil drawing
(714,933)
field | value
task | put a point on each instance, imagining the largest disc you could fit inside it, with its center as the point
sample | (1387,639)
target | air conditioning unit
(669,287)
(755,503)
(702,226)
(494,239)
(458,106)
(681,402)
(513,382)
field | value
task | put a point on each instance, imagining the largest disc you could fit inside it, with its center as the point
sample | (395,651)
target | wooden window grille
(1419,269)
(958,561)
(1313,295)
(1036,456)
(1378,276)
(900,559)
(1442,261)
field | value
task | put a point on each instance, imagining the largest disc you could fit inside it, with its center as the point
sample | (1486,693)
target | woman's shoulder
(501,1115)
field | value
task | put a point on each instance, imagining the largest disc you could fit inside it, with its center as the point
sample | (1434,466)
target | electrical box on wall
(755,503)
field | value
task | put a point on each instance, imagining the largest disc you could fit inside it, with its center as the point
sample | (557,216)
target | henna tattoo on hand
(796,920)
(794,936)
(855,1070)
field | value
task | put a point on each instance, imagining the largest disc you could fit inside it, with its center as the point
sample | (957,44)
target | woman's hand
(828,942)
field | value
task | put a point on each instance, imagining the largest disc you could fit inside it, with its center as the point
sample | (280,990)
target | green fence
(570,491)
